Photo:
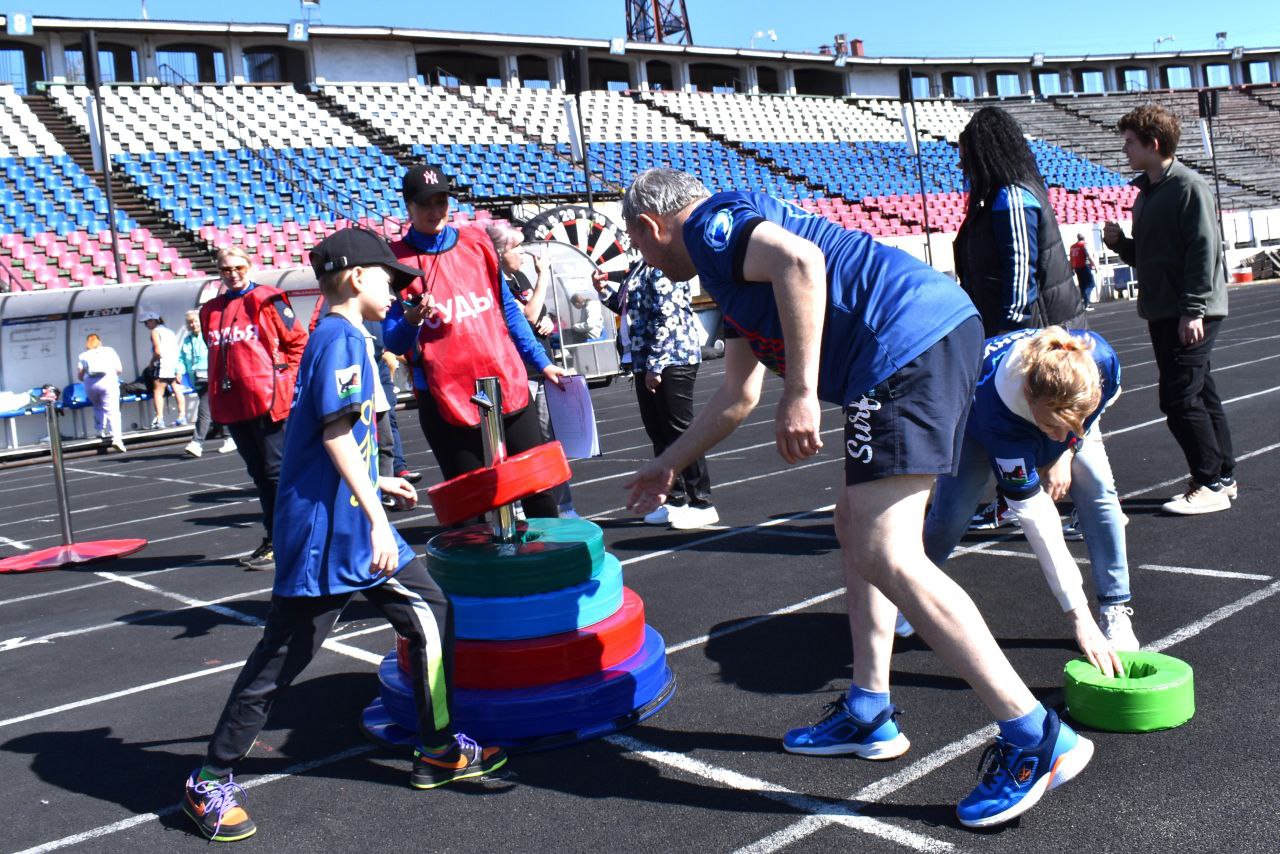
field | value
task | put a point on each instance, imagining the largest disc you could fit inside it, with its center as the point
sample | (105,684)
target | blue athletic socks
(1026,731)
(865,705)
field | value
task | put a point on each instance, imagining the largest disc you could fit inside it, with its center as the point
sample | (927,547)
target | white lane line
(732,532)
(1216,349)
(1139,426)
(201,562)
(751,621)
(1183,479)
(134,821)
(1217,369)
(17,544)
(188,601)
(836,813)
(1211,573)
(927,764)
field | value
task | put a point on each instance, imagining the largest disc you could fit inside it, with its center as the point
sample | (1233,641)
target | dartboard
(591,232)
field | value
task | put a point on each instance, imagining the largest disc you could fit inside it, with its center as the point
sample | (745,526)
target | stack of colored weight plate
(551,648)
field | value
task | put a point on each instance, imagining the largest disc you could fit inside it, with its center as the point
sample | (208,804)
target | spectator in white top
(164,369)
(100,371)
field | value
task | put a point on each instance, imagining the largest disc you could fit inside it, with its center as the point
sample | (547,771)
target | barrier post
(488,399)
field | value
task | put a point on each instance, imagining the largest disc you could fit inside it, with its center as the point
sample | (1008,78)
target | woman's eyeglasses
(228,271)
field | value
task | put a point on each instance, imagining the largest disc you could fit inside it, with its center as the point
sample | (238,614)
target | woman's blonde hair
(1058,372)
(234,252)
(92,341)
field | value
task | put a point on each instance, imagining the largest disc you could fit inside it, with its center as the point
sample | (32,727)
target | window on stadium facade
(1050,83)
(1217,75)
(1259,72)
(1007,84)
(1135,80)
(1092,82)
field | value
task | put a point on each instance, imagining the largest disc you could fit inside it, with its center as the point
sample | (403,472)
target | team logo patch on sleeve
(1013,471)
(348,382)
(718,230)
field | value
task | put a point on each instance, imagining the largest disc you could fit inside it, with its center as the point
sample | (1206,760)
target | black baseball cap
(359,247)
(423,182)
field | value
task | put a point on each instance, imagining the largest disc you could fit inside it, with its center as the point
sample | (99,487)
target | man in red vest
(255,346)
(1083,265)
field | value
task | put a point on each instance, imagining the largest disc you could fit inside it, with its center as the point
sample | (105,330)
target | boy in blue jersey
(1034,424)
(848,321)
(333,540)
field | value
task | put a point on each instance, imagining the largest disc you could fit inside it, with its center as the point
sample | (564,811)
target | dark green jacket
(1175,249)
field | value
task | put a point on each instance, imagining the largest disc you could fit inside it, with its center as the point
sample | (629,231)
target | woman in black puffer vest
(1009,253)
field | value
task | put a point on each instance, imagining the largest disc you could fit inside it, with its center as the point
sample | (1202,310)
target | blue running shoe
(1011,780)
(839,733)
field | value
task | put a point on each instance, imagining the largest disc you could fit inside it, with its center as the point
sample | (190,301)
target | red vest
(255,346)
(1079,257)
(467,337)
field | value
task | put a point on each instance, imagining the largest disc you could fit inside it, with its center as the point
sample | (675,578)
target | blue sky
(925,27)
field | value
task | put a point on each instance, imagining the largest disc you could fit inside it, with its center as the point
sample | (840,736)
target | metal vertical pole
(488,398)
(59,476)
(1217,197)
(94,76)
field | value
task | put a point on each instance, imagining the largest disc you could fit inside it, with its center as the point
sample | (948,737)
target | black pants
(666,414)
(461,449)
(260,442)
(204,423)
(1189,399)
(297,626)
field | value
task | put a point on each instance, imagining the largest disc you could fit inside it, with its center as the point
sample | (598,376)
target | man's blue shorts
(913,422)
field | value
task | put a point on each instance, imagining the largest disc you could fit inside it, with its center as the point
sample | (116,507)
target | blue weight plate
(576,709)
(540,614)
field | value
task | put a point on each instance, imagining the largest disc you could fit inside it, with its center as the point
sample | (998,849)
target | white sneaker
(902,628)
(689,518)
(1198,499)
(1071,529)
(661,516)
(1231,489)
(193,449)
(227,446)
(1117,628)
(569,514)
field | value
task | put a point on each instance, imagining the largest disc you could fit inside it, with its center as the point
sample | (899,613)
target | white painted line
(841,814)
(354,651)
(1183,479)
(160,479)
(17,544)
(1211,573)
(927,764)
(751,621)
(189,601)
(1216,348)
(1217,369)
(149,573)
(134,821)
(1139,426)
(732,532)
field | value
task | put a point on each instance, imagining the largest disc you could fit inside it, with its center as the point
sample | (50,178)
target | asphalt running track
(114,674)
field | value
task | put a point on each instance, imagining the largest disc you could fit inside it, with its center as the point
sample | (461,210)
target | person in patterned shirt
(662,343)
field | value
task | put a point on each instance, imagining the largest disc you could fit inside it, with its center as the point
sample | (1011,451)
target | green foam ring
(549,554)
(1156,692)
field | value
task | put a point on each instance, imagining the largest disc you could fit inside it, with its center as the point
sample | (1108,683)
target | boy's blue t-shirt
(321,535)
(884,307)
(1016,446)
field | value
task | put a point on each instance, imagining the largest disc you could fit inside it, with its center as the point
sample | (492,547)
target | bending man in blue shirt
(849,321)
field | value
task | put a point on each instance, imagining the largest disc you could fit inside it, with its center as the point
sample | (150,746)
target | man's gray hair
(660,192)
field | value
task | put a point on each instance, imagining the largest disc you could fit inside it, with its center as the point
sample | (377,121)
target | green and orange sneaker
(465,760)
(217,808)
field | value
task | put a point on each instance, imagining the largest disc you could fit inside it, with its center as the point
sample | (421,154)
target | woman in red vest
(457,323)
(255,346)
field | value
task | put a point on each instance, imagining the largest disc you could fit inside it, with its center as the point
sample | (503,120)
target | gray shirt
(1175,248)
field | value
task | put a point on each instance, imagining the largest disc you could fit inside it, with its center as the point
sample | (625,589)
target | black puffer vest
(978,265)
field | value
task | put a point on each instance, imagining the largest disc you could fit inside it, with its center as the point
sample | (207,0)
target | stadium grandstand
(232,133)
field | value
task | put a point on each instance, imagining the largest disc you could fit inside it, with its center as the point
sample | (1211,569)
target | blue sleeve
(340,381)
(1015,471)
(1109,367)
(521,333)
(1015,220)
(717,234)
(398,334)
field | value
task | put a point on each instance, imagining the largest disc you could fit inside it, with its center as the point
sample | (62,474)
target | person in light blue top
(1034,426)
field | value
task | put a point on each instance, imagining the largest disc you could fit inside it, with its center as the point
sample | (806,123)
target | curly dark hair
(1153,123)
(994,154)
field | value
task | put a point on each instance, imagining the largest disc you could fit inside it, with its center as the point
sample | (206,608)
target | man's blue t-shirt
(321,535)
(1016,446)
(884,307)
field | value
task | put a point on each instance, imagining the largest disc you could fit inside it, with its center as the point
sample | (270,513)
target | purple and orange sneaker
(217,808)
(464,761)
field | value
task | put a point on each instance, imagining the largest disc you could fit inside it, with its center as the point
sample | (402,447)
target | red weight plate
(477,492)
(76,553)
(545,660)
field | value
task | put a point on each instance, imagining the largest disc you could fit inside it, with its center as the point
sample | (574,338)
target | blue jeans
(1093,490)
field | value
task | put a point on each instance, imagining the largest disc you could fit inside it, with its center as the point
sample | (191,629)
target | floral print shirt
(661,326)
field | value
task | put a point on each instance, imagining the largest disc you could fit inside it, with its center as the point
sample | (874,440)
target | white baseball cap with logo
(144,316)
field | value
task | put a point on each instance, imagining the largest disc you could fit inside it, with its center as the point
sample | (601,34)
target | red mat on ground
(76,553)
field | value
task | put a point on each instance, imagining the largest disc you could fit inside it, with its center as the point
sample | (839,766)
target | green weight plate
(549,554)
(1156,692)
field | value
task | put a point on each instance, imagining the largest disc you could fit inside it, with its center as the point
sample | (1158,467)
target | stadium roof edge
(415,33)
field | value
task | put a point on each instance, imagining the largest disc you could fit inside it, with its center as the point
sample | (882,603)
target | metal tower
(658,21)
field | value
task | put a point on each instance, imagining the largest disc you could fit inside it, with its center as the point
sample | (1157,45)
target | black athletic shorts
(913,422)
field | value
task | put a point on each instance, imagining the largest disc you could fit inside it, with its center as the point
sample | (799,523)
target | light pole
(1155,45)
(759,34)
